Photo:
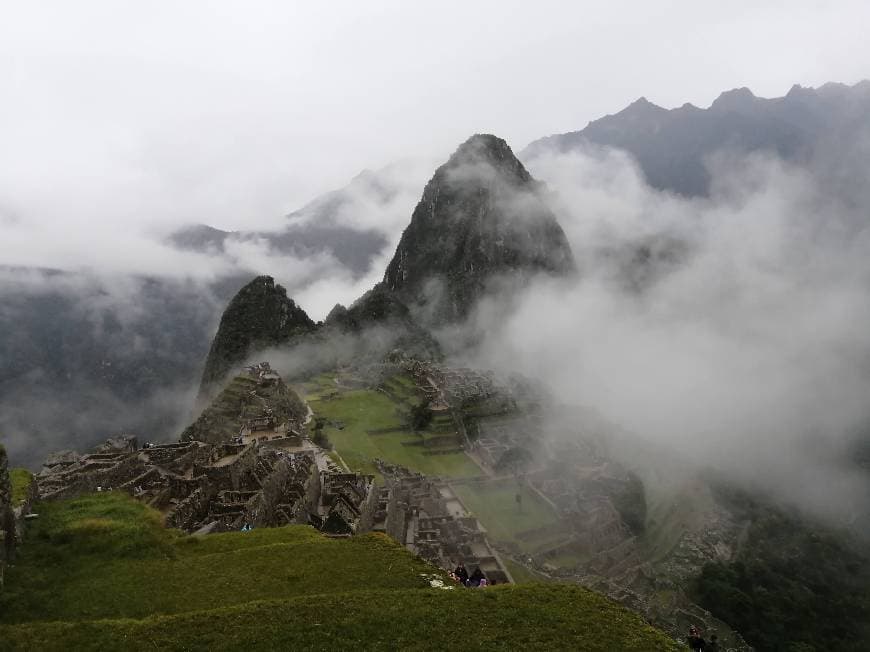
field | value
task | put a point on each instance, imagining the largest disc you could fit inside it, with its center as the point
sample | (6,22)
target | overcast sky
(147,114)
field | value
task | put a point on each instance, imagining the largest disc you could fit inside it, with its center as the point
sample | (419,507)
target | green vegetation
(353,419)
(318,387)
(522,574)
(792,587)
(108,556)
(495,506)
(420,416)
(319,437)
(21,480)
(100,573)
(514,459)
(531,618)
(403,390)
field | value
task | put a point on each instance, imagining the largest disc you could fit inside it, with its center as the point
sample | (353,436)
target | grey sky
(141,115)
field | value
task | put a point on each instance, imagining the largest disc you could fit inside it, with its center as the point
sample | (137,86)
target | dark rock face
(673,146)
(388,325)
(259,316)
(481,218)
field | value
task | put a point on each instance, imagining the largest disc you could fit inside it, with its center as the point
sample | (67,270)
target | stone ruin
(425,515)
(12,515)
(263,373)
(203,487)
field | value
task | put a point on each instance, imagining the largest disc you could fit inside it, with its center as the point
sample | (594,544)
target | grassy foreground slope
(100,572)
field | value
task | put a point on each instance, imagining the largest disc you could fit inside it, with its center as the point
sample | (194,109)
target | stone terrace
(429,519)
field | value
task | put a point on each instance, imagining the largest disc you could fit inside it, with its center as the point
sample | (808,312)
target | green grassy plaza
(362,411)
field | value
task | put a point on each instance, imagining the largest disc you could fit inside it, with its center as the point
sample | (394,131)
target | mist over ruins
(473,327)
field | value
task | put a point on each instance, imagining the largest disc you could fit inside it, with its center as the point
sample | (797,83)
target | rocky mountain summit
(481,219)
(480,226)
(259,316)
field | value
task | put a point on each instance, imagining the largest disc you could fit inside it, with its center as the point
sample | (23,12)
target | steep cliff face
(481,219)
(384,324)
(259,316)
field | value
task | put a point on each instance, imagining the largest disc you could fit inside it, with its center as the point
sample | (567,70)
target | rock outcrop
(481,219)
(259,316)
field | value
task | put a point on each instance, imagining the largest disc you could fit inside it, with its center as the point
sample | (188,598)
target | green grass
(565,560)
(554,617)
(107,556)
(494,505)
(365,410)
(523,575)
(100,573)
(21,481)
(406,381)
(317,387)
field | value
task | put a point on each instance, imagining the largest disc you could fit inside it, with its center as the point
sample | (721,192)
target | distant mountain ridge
(672,145)
(328,224)
(353,248)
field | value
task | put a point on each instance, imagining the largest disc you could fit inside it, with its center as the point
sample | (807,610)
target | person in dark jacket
(713,645)
(461,574)
(695,640)
(475,578)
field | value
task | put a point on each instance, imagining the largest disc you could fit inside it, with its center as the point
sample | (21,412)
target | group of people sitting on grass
(476,580)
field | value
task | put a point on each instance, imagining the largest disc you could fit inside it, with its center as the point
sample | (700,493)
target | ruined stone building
(426,516)
(206,487)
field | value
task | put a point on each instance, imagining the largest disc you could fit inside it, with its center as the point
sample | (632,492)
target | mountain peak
(640,107)
(480,217)
(483,146)
(492,151)
(734,100)
(259,316)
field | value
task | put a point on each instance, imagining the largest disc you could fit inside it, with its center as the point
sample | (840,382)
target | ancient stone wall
(368,508)
(233,474)
(192,509)
(7,518)
(313,492)
(395,525)
(273,489)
